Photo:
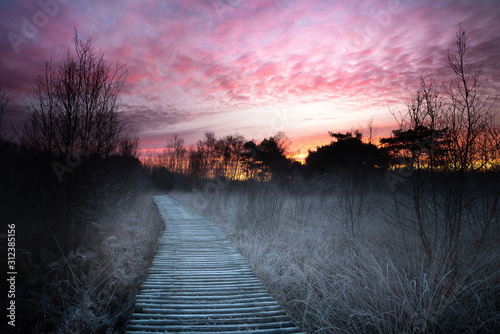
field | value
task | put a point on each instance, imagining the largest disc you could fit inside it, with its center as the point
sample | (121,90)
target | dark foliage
(420,142)
(347,152)
(58,220)
(268,156)
(50,191)
(165,180)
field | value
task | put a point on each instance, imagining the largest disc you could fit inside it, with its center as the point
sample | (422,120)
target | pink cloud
(227,56)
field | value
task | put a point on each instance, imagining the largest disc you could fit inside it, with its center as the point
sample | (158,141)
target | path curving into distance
(199,283)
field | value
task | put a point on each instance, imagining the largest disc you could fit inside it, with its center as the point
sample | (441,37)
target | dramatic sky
(253,67)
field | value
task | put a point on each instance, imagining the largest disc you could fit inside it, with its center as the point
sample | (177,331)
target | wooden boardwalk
(199,283)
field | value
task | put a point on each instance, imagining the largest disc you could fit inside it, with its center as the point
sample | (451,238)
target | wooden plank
(199,283)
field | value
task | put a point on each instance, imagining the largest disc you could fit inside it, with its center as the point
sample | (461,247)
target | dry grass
(92,289)
(335,274)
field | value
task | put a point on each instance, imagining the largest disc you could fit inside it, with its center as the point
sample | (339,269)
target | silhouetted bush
(347,152)
(165,180)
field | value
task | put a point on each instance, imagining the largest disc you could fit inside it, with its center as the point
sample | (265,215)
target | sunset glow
(253,67)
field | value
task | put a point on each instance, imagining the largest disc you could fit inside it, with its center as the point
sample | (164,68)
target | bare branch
(74,104)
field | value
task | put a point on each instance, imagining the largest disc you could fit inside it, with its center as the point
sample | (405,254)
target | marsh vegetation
(342,257)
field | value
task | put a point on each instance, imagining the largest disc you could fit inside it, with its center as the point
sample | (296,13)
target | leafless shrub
(74,105)
(447,144)
(258,205)
(304,199)
(351,209)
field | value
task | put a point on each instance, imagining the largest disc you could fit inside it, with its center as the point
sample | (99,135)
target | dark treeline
(236,159)
(230,157)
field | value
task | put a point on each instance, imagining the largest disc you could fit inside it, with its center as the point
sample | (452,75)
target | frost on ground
(331,254)
(92,288)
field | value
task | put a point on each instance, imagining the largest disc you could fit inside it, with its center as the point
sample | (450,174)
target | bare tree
(372,130)
(228,150)
(129,145)
(417,142)
(468,120)
(173,156)
(444,140)
(205,149)
(74,104)
(470,116)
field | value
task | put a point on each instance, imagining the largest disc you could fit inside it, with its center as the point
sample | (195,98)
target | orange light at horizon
(299,146)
